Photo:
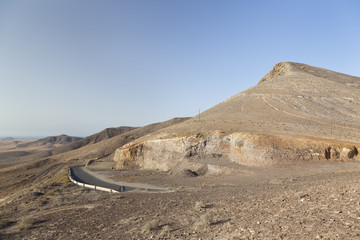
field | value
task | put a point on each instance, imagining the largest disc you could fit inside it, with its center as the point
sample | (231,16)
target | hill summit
(291,69)
(292,98)
(294,112)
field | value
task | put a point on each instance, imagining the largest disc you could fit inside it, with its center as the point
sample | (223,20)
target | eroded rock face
(239,148)
(279,69)
(164,154)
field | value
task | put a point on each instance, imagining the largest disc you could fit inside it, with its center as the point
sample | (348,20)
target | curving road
(80,175)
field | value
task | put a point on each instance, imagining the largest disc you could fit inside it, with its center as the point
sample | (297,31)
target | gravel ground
(312,201)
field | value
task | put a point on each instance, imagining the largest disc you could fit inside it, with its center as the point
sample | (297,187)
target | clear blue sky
(77,67)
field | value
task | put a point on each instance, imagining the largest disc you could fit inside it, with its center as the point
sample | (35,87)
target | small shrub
(54,184)
(63,178)
(204,221)
(27,223)
(199,206)
(43,201)
(4,223)
(152,225)
(53,192)
(165,230)
(68,184)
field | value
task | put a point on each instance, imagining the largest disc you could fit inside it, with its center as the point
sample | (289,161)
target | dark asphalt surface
(79,175)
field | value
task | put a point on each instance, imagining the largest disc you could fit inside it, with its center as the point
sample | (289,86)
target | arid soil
(11,154)
(299,201)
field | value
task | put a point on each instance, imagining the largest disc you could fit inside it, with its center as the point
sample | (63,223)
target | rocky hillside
(92,139)
(295,112)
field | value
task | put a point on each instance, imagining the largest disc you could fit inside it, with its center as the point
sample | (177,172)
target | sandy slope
(292,98)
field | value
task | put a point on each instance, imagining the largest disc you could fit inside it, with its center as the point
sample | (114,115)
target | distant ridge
(52,140)
(107,133)
(7,138)
(92,139)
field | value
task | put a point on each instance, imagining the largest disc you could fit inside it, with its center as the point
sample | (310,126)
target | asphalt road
(78,174)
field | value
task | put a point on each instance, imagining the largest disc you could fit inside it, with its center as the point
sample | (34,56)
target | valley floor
(301,201)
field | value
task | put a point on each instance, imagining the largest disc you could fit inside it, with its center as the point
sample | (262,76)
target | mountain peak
(279,69)
(304,70)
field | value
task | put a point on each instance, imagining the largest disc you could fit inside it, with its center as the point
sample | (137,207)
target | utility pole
(331,128)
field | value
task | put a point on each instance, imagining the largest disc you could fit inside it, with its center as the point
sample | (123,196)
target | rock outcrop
(241,148)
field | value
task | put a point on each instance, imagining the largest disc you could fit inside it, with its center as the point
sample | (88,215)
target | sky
(78,67)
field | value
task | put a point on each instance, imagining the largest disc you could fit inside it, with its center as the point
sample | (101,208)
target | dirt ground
(313,200)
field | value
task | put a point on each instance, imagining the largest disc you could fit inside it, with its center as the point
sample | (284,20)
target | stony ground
(302,201)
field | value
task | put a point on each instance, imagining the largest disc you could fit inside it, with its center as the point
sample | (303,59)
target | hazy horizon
(22,137)
(78,67)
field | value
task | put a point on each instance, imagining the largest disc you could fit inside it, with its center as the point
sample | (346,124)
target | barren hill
(95,138)
(51,146)
(13,152)
(294,112)
(8,138)
(51,141)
